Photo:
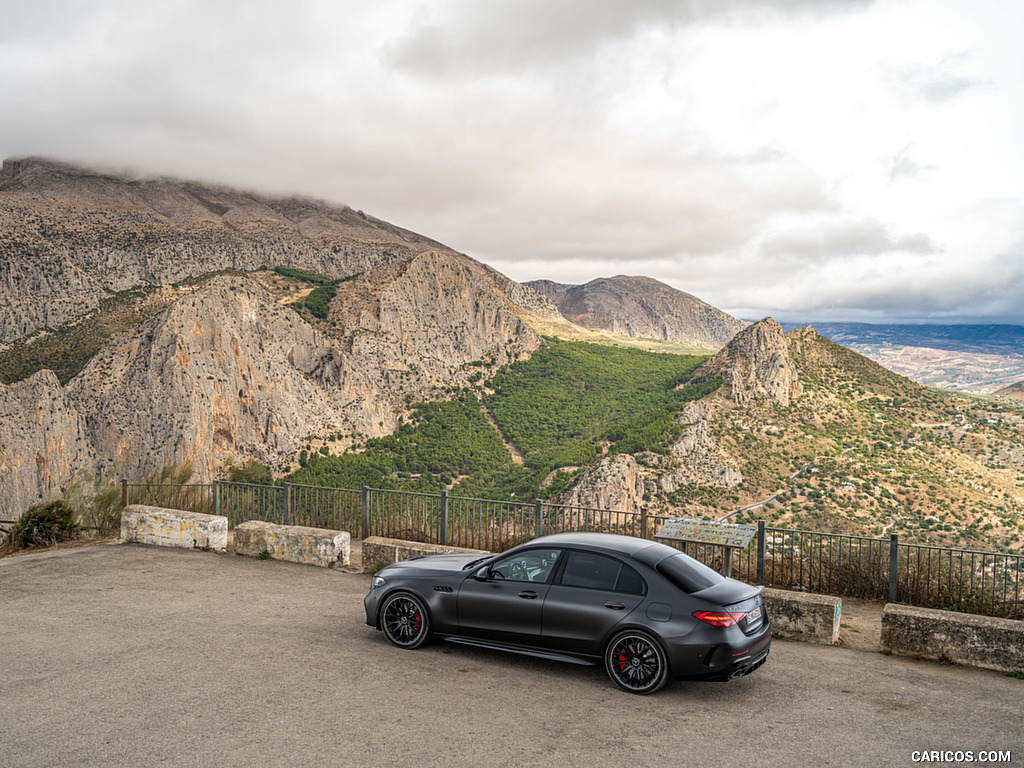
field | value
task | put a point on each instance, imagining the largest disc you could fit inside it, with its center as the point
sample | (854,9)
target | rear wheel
(636,663)
(405,621)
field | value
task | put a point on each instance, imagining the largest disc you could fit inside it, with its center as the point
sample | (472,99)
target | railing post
(894,573)
(760,552)
(124,492)
(538,518)
(643,521)
(216,497)
(365,501)
(444,518)
(287,503)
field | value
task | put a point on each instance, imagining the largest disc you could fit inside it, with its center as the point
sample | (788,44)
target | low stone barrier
(294,543)
(960,638)
(174,528)
(379,551)
(804,616)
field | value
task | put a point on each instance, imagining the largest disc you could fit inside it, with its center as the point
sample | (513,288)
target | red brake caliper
(622,661)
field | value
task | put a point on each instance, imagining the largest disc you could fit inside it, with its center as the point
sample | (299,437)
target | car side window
(585,569)
(533,565)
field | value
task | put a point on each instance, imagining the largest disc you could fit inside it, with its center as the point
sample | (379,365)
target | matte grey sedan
(644,610)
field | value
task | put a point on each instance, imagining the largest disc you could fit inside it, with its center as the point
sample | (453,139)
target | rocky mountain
(642,307)
(228,372)
(43,442)
(204,358)
(69,237)
(809,434)
(756,365)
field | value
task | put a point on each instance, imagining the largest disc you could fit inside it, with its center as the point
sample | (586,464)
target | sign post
(729,536)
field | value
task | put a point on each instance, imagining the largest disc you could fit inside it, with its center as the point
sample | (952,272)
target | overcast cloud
(808,159)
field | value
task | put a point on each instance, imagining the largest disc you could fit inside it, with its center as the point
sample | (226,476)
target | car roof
(630,546)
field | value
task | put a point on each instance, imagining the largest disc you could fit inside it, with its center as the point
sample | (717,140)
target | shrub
(43,525)
(252,471)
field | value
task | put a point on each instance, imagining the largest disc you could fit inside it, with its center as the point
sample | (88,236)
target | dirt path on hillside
(517,457)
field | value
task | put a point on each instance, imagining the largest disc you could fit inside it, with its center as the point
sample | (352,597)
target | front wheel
(405,621)
(636,663)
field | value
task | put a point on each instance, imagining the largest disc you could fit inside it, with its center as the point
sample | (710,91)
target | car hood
(436,563)
(728,591)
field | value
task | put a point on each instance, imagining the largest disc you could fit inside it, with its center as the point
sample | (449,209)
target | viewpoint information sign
(707,532)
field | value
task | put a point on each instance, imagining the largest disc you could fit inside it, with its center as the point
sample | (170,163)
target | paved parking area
(140,656)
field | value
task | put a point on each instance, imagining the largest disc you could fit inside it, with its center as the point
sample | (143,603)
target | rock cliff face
(756,365)
(227,371)
(421,321)
(697,457)
(614,483)
(43,442)
(642,307)
(70,236)
(223,371)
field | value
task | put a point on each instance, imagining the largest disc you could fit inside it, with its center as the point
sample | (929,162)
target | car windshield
(476,562)
(688,574)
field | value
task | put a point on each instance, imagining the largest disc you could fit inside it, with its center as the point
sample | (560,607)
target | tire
(405,621)
(636,662)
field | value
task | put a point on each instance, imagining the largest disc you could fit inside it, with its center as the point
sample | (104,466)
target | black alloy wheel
(635,662)
(405,621)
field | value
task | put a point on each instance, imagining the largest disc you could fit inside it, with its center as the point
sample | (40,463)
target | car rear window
(629,582)
(688,574)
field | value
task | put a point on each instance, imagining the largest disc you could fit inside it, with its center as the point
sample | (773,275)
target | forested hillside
(567,406)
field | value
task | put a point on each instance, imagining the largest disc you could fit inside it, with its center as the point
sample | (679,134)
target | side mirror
(482,574)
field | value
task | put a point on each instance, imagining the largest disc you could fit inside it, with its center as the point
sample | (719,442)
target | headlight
(378,581)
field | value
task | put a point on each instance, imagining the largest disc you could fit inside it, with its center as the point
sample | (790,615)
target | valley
(278,340)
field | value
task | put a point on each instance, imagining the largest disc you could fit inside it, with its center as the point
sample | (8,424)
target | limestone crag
(615,483)
(43,442)
(421,322)
(227,371)
(697,457)
(224,370)
(642,307)
(756,365)
(69,237)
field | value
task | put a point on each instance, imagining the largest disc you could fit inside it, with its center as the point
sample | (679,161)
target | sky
(813,160)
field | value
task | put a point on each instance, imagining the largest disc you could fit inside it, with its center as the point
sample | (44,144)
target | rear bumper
(725,655)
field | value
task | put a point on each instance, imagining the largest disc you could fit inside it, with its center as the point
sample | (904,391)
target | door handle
(616,606)
(529,594)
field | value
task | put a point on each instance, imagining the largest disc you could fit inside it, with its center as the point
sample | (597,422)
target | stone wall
(173,528)
(294,543)
(379,551)
(960,638)
(804,616)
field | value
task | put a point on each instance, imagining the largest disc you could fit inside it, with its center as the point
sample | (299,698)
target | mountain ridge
(642,307)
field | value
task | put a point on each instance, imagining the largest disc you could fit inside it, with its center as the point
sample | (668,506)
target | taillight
(719,618)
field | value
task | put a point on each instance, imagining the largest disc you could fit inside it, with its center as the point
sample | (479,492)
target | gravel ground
(125,655)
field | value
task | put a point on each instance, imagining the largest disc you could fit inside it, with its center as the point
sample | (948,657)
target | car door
(593,594)
(506,606)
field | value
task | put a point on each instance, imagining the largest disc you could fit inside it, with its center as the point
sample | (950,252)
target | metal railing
(990,583)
